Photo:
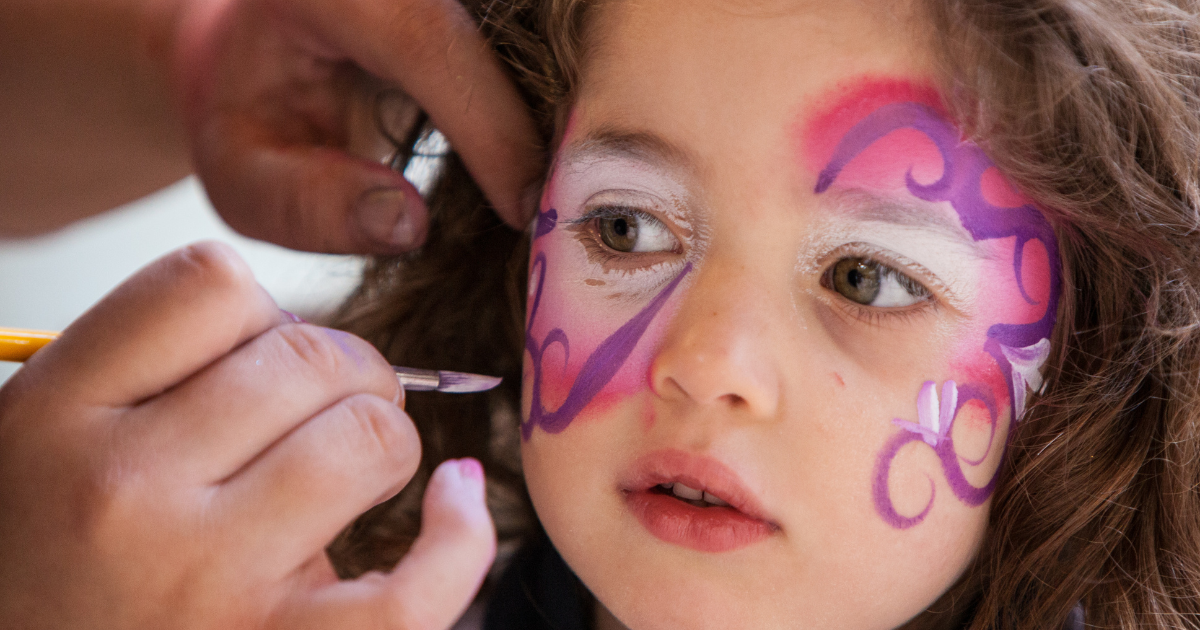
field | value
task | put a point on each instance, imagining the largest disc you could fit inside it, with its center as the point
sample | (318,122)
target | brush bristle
(462,382)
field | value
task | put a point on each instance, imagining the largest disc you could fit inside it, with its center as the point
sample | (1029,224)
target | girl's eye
(871,283)
(635,232)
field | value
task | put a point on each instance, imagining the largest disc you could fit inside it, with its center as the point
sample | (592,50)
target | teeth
(685,492)
(692,494)
(714,500)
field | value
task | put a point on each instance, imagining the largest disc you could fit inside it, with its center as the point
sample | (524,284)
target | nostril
(733,400)
(669,389)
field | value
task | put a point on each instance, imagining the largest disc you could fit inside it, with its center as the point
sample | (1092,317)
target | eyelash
(876,316)
(587,231)
(880,317)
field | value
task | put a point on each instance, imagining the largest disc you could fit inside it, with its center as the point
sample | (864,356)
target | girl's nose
(718,349)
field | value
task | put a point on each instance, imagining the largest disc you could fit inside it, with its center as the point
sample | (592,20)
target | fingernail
(471,469)
(382,215)
(296,319)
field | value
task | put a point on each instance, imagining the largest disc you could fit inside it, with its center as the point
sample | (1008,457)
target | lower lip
(711,529)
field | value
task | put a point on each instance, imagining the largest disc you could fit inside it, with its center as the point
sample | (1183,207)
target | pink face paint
(883,119)
(602,364)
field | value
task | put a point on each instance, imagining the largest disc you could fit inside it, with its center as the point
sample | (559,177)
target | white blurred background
(47,282)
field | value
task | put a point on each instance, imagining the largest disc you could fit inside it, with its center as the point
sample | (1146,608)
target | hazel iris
(620,233)
(857,279)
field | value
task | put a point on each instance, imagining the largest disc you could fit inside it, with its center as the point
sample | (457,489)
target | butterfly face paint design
(601,365)
(609,239)
(1018,350)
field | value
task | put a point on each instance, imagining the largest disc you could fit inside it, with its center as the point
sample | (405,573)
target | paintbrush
(17,345)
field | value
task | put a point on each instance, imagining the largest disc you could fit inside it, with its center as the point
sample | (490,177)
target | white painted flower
(934,415)
(1026,371)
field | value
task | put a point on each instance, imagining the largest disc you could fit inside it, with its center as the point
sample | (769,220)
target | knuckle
(427,25)
(312,347)
(336,358)
(109,503)
(383,429)
(213,266)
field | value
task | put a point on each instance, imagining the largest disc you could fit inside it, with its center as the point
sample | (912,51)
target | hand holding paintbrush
(186,442)
(18,344)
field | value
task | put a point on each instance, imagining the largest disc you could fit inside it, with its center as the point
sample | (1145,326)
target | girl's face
(781,317)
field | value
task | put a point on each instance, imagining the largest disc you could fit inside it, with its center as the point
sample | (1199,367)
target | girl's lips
(712,529)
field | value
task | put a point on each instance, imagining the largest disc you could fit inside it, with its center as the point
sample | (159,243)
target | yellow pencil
(18,345)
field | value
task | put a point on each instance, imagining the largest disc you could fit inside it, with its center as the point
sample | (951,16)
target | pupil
(619,233)
(857,279)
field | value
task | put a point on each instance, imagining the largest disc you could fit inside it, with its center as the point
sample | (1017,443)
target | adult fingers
(308,197)
(434,583)
(272,114)
(266,96)
(166,322)
(225,415)
(304,489)
(433,49)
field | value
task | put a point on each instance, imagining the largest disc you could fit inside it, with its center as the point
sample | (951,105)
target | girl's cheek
(588,346)
(630,379)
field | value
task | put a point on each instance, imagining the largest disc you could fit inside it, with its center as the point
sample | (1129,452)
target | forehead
(716,74)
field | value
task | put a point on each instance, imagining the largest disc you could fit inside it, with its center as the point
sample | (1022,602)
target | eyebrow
(864,205)
(638,145)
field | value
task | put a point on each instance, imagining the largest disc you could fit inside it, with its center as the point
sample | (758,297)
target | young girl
(838,314)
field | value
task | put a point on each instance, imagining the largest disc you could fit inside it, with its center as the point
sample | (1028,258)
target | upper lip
(695,471)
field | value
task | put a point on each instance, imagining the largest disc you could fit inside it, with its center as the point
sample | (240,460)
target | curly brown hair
(1092,108)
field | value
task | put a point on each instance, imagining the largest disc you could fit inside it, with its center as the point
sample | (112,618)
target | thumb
(433,585)
(440,575)
(273,116)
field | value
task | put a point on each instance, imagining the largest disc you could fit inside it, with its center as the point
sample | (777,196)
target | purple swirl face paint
(1017,340)
(600,366)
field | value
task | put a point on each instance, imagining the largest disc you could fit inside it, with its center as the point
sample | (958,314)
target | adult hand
(180,457)
(270,106)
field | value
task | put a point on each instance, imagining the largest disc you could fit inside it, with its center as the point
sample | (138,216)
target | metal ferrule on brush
(414,380)
(445,381)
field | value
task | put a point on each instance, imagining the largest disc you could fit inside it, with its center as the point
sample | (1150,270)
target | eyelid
(610,210)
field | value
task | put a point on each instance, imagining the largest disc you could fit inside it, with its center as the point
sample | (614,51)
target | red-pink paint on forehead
(824,125)
(885,165)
